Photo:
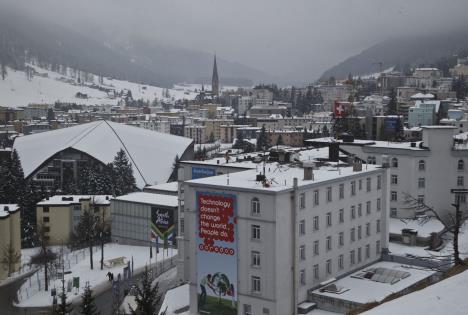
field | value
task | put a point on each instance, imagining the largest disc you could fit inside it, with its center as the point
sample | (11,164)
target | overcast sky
(285,38)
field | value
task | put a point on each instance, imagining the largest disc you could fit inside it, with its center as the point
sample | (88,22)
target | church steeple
(215,79)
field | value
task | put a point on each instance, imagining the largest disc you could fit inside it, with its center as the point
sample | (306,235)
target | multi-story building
(58,216)
(266,240)
(197,133)
(426,170)
(423,113)
(10,238)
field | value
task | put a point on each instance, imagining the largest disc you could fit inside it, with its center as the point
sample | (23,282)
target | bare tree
(452,221)
(45,256)
(87,231)
(103,234)
(10,258)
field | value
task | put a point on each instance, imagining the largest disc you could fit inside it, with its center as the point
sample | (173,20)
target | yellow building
(10,239)
(58,216)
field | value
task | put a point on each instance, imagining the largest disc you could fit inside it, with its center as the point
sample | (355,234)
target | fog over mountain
(263,40)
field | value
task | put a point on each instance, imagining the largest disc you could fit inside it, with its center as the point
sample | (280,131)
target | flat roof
(423,227)
(151,199)
(57,200)
(280,177)
(172,186)
(6,209)
(364,291)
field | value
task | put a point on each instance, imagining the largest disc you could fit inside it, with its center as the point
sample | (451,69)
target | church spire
(215,79)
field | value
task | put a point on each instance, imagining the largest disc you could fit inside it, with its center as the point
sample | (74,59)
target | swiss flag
(339,109)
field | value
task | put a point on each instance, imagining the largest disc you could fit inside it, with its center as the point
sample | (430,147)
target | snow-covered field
(96,277)
(48,87)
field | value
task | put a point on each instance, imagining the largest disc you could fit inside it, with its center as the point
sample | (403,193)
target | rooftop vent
(67,198)
(6,208)
(413,144)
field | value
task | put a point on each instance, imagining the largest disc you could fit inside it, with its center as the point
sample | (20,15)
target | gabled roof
(151,153)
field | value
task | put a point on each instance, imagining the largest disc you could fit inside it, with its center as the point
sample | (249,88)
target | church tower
(215,80)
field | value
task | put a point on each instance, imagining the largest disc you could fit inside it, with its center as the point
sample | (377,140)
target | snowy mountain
(45,86)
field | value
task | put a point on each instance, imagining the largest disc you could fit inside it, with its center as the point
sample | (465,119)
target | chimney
(357,166)
(308,170)
(6,208)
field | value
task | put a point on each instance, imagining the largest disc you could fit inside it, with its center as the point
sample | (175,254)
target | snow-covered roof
(445,297)
(74,199)
(172,187)
(177,299)
(365,290)
(423,227)
(151,153)
(150,198)
(6,209)
(422,96)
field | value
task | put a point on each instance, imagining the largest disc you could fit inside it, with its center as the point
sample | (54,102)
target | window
(352,257)
(329,194)
(302,200)
(302,227)
(393,212)
(46,229)
(359,210)
(379,204)
(421,182)
(394,179)
(367,229)
(359,255)
(377,247)
(341,238)
(368,207)
(341,215)
(329,243)
(256,285)
(394,162)
(340,262)
(460,198)
(353,234)
(316,197)
(182,225)
(329,266)
(45,219)
(422,165)
(379,182)
(353,188)
(367,251)
(266,311)
(316,271)
(316,248)
(316,223)
(302,253)
(353,212)
(247,309)
(341,191)
(255,207)
(393,196)
(377,226)
(368,183)
(255,259)
(360,184)
(359,232)
(460,181)
(255,232)
(329,219)
(461,165)
(420,199)
(45,209)
(302,276)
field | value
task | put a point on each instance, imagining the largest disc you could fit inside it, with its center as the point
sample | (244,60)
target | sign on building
(201,172)
(162,226)
(217,253)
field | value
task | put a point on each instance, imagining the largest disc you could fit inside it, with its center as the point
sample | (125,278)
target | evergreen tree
(64,307)
(262,141)
(392,107)
(280,141)
(88,307)
(124,182)
(460,88)
(212,138)
(50,114)
(147,297)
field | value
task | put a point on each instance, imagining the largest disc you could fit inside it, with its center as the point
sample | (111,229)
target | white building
(423,113)
(278,239)
(425,170)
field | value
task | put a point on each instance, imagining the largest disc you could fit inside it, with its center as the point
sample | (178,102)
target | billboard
(162,226)
(391,124)
(217,253)
(200,172)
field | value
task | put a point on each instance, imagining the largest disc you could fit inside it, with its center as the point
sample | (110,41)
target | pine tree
(123,174)
(392,107)
(262,142)
(64,307)
(147,297)
(88,307)
(280,141)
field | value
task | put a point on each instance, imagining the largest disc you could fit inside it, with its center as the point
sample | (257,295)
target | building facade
(10,238)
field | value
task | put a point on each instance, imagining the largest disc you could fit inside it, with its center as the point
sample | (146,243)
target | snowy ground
(96,277)
(48,87)
(177,299)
